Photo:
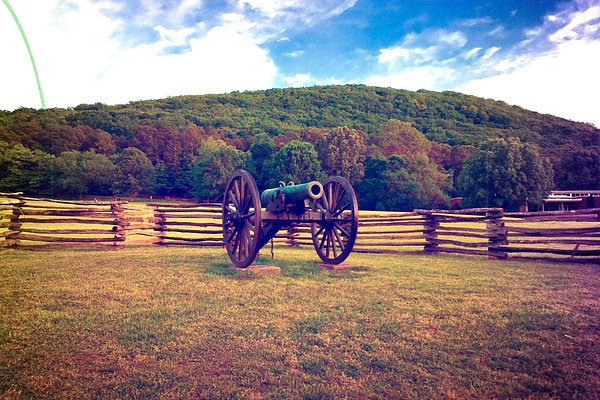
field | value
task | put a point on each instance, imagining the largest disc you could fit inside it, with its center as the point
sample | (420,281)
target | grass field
(152,322)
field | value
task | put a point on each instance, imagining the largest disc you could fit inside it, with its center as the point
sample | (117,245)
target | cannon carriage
(250,221)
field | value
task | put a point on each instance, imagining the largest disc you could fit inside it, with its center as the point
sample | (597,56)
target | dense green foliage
(342,152)
(415,183)
(216,162)
(134,174)
(43,151)
(296,162)
(581,169)
(505,173)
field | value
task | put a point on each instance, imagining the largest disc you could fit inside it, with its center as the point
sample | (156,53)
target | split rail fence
(33,223)
(555,235)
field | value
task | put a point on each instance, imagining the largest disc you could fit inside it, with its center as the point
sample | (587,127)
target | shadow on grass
(290,268)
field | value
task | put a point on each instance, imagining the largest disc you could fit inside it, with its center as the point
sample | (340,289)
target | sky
(542,55)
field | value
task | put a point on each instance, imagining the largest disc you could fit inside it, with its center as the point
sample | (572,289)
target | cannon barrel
(277,199)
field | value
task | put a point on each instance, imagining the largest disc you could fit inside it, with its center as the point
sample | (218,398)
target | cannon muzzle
(290,197)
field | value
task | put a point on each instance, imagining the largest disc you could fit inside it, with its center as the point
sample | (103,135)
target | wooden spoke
(341,210)
(232,236)
(234,201)
(332,243)
(334,235)
(336,198)
(322,240)
(338,226)
(339,239)
(321,229)
(325,202)
(241,219)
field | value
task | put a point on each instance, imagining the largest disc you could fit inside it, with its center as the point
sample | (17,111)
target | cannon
(250,221)
(291,197)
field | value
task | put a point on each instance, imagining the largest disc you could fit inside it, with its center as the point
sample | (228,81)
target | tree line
(394,146)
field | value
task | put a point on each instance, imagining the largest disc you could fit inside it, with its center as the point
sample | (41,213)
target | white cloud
(456,39)
(577,21)
(489,53)
(471,53)
(185,8)
(393,54)
(553,71)
(298,11)
(294,54)
(497,31)
(562,83)
(272,8)
(425,77)
(80,58)
(90,51)
(71,45)
(475,21)
(422,60)
(417,49)
(299,80)
(227,58)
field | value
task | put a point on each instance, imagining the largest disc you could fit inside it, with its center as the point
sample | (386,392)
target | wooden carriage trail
(34,223)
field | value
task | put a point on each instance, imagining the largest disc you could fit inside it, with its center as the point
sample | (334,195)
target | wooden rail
(187,224)
(32,223)
(559,235)
(566,235)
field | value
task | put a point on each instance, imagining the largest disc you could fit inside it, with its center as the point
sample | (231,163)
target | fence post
(118,212)
(430,230)
(14,226)
(292,235)
(497,233)
(160,220)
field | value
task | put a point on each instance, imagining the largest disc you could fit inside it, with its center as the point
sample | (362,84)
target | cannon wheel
(241,219)
(334,236)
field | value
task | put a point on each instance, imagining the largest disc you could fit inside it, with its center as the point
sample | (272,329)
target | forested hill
(446,117)
(163,147)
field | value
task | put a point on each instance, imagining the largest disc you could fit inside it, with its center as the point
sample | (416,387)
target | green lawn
(153,322)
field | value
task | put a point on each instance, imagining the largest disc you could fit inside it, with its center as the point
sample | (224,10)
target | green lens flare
(35,71)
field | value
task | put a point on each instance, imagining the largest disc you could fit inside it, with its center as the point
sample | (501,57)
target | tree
(260,165)
(215,164)
(580,169)
(297,162)
(539,175)
(66,174)
(98,140)
(75,174)
(191,139)
(370,191)
(21,169)
(342,152)
(401,184)
(134,173)
(56,138)
(98,173)
(505,173)
(146,138)
(433,183)
(458,155)
(402,139)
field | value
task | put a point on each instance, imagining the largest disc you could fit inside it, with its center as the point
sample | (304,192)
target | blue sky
(541,55)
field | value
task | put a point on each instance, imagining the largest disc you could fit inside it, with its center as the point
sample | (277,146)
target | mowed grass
(153,322)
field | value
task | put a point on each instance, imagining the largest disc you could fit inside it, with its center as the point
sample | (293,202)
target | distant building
(563,200)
